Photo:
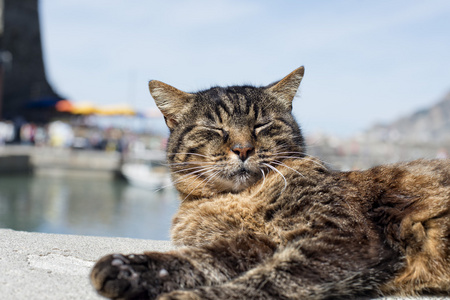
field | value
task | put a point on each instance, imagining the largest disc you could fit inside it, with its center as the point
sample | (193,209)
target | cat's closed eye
(261,126)
(222,132)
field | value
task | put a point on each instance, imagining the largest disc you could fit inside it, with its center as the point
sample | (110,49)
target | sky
(366,61)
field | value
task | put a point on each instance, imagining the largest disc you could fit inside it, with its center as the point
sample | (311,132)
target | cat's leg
(147,275)
(296,273)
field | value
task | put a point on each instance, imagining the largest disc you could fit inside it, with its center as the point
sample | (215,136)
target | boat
(146,170)
(145,175)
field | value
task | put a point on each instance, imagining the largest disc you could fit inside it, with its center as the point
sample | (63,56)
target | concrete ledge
(54,266)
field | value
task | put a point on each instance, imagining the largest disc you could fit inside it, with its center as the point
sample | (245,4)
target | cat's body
(259,219)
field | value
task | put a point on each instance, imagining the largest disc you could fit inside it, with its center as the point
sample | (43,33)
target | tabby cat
(260,219)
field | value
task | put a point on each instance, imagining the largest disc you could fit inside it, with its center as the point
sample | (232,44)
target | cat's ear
(285,89)
(172,102)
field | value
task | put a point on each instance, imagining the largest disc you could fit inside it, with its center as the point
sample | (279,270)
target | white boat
(146,175)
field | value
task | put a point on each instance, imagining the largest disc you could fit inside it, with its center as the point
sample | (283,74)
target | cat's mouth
(242,172)
(240,179)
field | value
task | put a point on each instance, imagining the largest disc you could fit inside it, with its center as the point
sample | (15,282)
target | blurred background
(82,143)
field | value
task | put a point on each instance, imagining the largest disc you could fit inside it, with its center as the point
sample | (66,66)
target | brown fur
(259,219)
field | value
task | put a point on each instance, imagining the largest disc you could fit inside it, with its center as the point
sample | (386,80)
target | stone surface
(52,266)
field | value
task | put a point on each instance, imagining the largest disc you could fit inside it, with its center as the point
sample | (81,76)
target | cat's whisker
(314,160)
(305,158)
(193,188)
(276,170)
(303,155)
(187,153)
(288,157)
(291,152)
(264,180)
(298,152)
(201,171)
(306,155)
(187,163)
(210,176)
(213,175)
(279,163)
(181,168)
(183,178)
(188,169)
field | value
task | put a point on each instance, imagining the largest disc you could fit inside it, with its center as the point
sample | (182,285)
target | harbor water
(73,204)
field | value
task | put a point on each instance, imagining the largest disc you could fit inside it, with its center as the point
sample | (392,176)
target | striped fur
(260,219)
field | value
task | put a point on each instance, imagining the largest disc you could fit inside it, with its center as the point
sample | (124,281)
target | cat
(260,219)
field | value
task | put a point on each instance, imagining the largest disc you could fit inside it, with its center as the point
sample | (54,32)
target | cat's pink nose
(243,151)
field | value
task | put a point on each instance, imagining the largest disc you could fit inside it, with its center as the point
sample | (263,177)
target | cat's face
(226,139)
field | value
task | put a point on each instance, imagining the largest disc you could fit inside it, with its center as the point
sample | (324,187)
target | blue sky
(366,61)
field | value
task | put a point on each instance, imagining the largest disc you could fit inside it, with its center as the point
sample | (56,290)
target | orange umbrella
(64,106)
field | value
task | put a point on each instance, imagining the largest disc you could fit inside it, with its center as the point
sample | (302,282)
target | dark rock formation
(25,89)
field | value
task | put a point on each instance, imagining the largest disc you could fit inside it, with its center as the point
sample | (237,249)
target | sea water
(85,206)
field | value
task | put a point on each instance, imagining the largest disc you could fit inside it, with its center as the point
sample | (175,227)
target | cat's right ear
(172,102)
(285,89)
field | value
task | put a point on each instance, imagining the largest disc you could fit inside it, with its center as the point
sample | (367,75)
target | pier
(50,160)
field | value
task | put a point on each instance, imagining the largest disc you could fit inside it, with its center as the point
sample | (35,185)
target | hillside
(422,134)
(429,125)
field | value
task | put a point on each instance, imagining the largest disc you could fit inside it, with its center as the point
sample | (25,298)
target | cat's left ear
(285,89)
(172,102)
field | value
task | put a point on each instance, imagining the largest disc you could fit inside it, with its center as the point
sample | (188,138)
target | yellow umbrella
(115,109)
(83,108)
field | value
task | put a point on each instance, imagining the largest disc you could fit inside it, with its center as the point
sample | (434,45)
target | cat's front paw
(141,276)
(119,276)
